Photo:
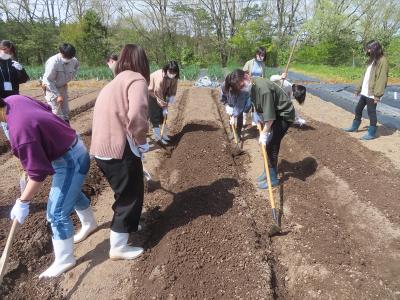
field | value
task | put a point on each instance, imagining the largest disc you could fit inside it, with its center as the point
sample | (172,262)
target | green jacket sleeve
(381,77)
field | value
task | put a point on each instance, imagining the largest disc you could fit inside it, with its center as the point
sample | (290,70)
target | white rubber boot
(157,135)
(64,258)
(119,248)
(88,223)
(244,119)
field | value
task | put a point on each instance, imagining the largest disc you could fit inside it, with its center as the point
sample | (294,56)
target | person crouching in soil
(275,112)
(162,91)
(47,145)
(236,98)
(120,124)
(371,88)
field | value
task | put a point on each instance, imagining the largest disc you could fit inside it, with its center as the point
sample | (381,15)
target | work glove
(17,65)
(171,99)
(233,120)
(165,111)
(229,110)
(143,148)
(20,211)
(264,137)
(257,118)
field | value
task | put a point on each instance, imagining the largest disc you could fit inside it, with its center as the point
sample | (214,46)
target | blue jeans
(65,193)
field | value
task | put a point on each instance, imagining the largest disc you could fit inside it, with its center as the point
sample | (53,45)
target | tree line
(201,32)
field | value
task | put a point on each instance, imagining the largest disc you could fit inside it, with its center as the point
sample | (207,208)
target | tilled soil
(341,209)
(201,240)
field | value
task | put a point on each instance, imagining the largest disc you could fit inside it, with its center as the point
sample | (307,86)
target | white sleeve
(275,78)
(50,76)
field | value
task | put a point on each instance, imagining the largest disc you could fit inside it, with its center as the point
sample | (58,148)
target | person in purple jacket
(47,145)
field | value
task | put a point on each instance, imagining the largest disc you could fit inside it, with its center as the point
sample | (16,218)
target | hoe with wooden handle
(163,126)
(11,235)
(275,227)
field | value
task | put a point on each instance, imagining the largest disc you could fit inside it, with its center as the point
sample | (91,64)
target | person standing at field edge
(162,91)
(59,70)
(120,125)
(255,67)
(371,88)
(12,74)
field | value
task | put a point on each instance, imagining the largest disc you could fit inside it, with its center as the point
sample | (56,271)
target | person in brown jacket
(371,88)
(120,125)
(162,91)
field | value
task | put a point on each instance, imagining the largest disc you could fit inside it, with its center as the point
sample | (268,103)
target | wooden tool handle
(290,58)
(265,159)
(7,249)
(163,126)
(234,133)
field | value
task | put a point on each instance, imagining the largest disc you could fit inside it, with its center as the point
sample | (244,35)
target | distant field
(191,72)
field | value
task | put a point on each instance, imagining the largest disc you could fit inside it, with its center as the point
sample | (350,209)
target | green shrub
(189,72)
(215,72)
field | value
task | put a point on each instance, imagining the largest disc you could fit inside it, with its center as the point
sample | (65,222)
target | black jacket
(9,73)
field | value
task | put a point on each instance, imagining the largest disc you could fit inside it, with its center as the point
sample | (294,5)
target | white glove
(233,120)
(171,99)
(257,118)
(264,137)
(17,65)
(229,110)
(165,111)
(20,211)
(143,148)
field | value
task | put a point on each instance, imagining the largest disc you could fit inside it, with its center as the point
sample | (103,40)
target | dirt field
(206,224)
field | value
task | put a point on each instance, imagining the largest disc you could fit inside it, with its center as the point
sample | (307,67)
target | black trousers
(371,109)
(155,112)
(278,131)
(125,177)
(239,125)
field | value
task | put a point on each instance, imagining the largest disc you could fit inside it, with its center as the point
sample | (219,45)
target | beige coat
(161,86)
(248,67)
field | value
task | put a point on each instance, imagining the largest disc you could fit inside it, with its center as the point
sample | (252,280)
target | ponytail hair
(233,80)
(299,93)
(2,103)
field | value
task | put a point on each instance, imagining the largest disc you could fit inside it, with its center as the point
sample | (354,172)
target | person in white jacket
(60,69)
(287,87)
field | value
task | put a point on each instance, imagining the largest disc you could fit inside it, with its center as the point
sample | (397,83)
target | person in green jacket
(371,88)
(274,111)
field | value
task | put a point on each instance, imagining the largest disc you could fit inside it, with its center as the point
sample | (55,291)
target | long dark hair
(2,103)
(6,44)
(173,67)
(233,80)
(299,93)
(133,58)
(375,51)
(261,51)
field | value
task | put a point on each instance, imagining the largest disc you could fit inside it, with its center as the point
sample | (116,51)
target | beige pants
(61,110)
